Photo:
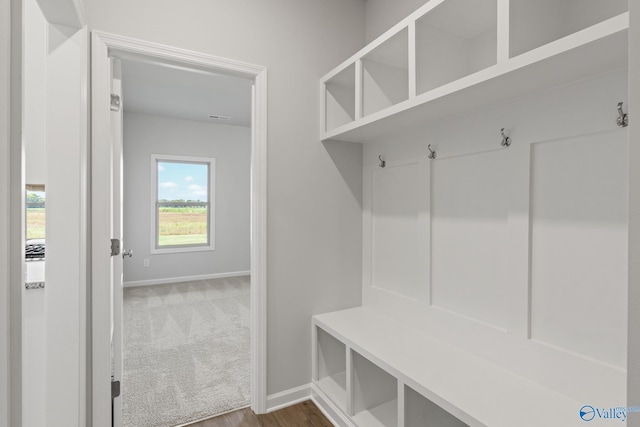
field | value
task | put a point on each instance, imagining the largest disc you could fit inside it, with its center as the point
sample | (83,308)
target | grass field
(35,223)
(182,226)
(178,226)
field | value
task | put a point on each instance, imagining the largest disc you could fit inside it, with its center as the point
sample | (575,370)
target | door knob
(128,252)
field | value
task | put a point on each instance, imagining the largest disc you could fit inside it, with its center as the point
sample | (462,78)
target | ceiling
(173,91)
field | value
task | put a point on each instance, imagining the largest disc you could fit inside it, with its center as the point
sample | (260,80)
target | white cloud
(199,192)
(160,168)
(167,185)
(194,187)
(188,178)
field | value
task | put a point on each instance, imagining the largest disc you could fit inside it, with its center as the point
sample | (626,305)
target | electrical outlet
(145,262)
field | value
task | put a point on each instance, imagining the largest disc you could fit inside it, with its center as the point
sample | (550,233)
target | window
(35,210)
(182,203)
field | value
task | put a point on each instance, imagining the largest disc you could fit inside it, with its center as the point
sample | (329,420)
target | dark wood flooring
(303,414)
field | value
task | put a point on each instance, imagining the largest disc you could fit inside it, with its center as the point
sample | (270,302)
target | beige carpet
(186,351)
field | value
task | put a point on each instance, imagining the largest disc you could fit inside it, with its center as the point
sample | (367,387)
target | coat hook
(506,141)
(432,154)
(382,162)
(623,118)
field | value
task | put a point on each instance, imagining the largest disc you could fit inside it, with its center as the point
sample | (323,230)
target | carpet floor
(186,351)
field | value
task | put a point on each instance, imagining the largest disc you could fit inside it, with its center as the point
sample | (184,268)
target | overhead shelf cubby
(340,98)
(385,75)
(451,57)
(454,40)
(536,23)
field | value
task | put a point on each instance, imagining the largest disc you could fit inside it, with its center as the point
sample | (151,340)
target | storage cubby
(454,40)
(421,412)
(385,74)
(332,367)
(375,394)
(340,98)
(536,23)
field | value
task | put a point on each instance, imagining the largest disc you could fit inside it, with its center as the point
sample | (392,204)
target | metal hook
(382,162)
(623,118)
(506,141)
(432,154)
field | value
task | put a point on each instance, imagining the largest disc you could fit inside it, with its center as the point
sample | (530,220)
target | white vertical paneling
(579,245)
(519,156)
(469,199)
(399,232)
(633,334)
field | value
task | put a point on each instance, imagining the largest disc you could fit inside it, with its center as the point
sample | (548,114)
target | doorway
(107,321)
(186,232)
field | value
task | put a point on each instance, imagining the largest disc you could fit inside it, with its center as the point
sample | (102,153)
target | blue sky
(186,181)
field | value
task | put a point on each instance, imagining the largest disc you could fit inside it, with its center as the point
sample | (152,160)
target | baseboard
(288,397)
(184,279)
(329,409)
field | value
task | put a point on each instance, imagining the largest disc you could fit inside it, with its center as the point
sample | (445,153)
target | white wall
(145,135)
(314,190)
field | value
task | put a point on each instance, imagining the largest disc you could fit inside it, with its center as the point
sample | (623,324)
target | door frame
(104,45)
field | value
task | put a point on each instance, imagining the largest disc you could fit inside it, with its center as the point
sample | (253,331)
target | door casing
(104,46)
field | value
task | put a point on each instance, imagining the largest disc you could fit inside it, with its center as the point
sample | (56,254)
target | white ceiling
(171,91)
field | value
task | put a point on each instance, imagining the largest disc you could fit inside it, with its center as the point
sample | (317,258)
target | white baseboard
(288,397)
(184,279)
(329,409)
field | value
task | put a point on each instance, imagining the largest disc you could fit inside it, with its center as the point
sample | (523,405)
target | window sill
(177,249)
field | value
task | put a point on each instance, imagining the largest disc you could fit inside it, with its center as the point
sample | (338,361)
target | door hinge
(115,389)
(115,102)
(115,247)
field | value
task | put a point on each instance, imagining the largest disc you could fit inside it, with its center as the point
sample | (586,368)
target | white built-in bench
(371,370)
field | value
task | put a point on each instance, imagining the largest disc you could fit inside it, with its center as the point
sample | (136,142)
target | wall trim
(289,397)
(164,281)
(103,46)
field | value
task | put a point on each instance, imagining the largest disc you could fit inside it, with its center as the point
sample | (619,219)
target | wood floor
(303,414)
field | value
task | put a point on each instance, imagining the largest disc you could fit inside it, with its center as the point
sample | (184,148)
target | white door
(116,232)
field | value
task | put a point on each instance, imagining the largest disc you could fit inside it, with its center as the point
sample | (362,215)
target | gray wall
(314,224)
(384,14)
(231,147)
(5,302)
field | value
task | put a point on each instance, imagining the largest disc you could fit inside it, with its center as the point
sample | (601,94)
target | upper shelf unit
(452,56)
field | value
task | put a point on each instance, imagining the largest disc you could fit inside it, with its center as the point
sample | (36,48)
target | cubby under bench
(370,370)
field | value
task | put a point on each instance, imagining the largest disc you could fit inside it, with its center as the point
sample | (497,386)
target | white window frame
(155,158)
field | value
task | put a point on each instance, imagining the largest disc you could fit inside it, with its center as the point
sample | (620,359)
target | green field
(178,226)
(182,226)
(35,223)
